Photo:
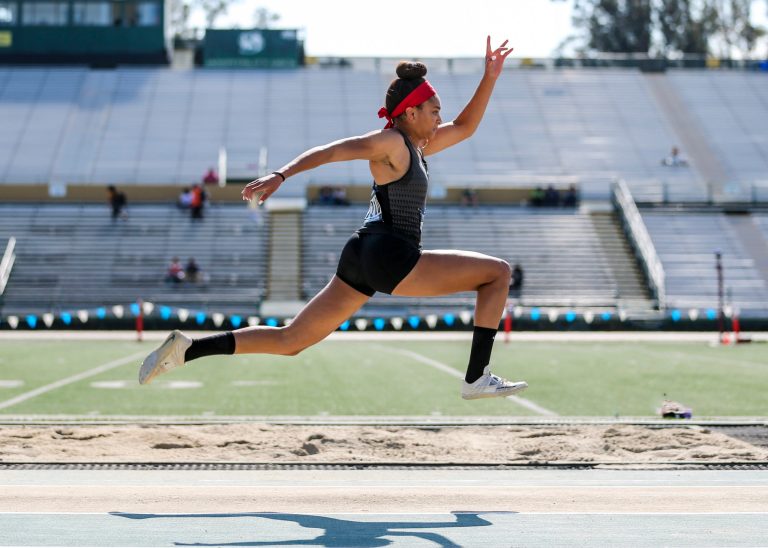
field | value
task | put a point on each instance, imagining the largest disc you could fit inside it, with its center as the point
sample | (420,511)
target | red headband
(422,92)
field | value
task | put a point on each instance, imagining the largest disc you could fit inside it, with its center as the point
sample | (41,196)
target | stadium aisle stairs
(632,287)
(283,281)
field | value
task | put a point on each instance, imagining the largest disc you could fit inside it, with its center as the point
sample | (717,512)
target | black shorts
(376,262)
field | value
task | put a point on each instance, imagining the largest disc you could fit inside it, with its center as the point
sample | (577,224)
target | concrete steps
(630,280)
(284,270)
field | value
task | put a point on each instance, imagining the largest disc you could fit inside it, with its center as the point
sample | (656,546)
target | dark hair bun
(411,70)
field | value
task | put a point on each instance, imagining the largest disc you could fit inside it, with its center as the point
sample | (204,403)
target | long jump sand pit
(322,443)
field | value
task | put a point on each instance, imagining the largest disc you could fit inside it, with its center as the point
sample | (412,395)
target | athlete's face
(425,119)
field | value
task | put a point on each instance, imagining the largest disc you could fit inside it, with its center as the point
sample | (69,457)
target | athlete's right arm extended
(374,146)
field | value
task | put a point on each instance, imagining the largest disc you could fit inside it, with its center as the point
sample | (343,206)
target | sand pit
(269,443)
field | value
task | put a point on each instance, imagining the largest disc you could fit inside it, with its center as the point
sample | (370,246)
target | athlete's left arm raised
(466,123)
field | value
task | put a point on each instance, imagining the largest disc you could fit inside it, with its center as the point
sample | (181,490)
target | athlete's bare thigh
(442,272)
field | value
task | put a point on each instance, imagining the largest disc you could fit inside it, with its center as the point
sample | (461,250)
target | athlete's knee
(293,341)
(299,349)
(503,271)
(296,347)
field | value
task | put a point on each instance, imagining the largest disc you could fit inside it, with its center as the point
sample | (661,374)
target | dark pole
(720,312)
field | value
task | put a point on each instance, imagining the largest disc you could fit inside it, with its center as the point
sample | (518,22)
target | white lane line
(528,404)
(69,380)
(724,361)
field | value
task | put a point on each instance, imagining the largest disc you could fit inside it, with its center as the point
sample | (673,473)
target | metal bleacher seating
(161,126)
(761,221)
(732,109)
(686,244)
(591,125)
(157,126)
(75,256)
(558,250)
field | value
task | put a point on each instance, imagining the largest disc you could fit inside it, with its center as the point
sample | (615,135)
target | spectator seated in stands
(551,197)
(537,196)
(340,196)
(469,197)
(192,271)
(175,273)
(571,197)
(210,177)
(185,199)
(117,201)
(332,196)
(516,283)
(325,196)
(674,159)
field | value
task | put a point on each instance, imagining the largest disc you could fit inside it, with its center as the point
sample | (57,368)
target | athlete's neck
(417,142)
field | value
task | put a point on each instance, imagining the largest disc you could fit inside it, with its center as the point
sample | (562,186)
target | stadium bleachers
(160,126)
(686,243)
(75,256)
(157,126)
(732,109)
(761,220)
(559,251)
(595,125)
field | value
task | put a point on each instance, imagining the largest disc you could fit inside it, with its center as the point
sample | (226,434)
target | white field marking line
(715,359)
(528,404)
(69,380)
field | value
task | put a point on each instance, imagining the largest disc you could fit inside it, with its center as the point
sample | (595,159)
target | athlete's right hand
(262,188)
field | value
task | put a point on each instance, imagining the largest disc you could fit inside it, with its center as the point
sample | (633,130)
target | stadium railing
(6,265)
(640,239)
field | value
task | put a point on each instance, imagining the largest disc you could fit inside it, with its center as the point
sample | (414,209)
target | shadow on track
(339,532)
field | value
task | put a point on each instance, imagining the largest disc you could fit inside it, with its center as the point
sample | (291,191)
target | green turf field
(382,378)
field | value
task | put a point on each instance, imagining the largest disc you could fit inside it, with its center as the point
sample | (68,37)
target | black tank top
(398,207)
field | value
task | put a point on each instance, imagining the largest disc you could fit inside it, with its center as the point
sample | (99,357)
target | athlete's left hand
(494,59)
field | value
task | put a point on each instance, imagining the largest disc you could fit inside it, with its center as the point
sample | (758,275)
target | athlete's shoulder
(386,136)
(385,142)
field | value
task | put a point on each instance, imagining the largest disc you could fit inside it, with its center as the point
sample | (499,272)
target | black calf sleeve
(480,356)
(223,343)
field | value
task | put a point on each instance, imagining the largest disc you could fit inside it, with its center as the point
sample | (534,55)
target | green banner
(259,48)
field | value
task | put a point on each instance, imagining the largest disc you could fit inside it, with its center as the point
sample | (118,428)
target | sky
(407,28)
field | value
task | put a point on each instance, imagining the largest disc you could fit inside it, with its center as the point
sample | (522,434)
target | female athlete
(385,253)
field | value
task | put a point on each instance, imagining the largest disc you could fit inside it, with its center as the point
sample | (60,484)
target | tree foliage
(718,27)
(734,28)
(616,25)
(684,29)
(182,10)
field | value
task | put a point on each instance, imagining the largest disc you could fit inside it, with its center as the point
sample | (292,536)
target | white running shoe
(491,386)
(168,355)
